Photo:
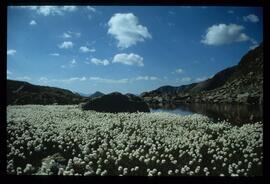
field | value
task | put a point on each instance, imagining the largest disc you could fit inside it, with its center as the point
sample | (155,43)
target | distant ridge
(20,93)
(96,94)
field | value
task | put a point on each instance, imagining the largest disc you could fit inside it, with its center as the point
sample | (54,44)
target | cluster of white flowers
(150,144)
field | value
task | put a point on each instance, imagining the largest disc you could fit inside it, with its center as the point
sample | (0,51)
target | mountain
(242,83)
(96,94)
(84,94)
(19,93)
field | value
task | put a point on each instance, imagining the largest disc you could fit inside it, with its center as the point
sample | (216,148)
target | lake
(234,113)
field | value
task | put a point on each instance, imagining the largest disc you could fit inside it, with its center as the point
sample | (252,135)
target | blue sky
(130,49)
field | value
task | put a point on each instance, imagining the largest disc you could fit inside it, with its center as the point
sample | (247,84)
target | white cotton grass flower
(93,142)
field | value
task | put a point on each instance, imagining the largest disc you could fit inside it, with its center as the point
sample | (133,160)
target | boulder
(116,102)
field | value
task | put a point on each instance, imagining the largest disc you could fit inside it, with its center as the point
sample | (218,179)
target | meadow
(65,140)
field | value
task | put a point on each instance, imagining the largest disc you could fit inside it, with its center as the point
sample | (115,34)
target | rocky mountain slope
(242,83)
(19,92)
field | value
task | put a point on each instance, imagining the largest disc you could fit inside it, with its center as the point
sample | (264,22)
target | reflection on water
(237,114)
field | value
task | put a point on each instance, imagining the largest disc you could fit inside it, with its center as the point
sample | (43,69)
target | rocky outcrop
(241,84)
(116,102)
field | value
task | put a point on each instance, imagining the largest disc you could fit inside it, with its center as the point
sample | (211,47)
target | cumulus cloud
(251,18)
(54,54)
(11,52)
(66,45)
(128,59)
(32,23)
(224,34)
(96,61)
(85,49)
(50,10)
(125,28)
(186,79)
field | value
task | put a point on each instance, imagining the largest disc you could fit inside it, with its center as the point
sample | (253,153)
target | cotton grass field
(64,140)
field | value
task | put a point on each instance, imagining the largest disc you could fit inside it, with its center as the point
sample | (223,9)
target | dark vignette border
(69,179)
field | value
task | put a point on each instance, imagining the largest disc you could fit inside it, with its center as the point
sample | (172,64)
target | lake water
(236,114)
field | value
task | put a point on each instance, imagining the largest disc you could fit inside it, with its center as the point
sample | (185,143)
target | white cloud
(54,54)
(66,35)
(69,80)
(96,61)
(66,45)
(32,23)
(111,81)
(11,52)
(200,79)
(153,78)
(73,61)
(224,34)
(43,79)
(85,49)
(69,8)
(128,59)
(71,64)
(145,78)
(125,28)
(251,18)
(91,8)
(70,34)
(186,79)
(230,11)
(73,79)
(179,70)
(77,34)
(50,10)
(254,42)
